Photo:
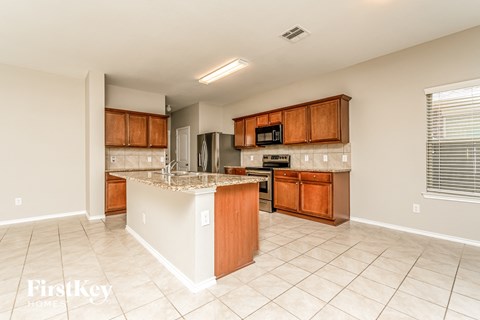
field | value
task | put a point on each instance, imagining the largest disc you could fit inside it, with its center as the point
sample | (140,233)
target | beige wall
(43,134)
(95,144)
(188,116)
(387,123)
(136,100)
(210,118)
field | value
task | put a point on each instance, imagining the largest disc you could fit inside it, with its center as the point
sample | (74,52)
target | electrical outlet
(149,159)
(162,159)
(149,174)
(205,215)
(251,158)
(144,218)
(325,158)
(344,158)
(306,158)
(416,208)
(113,159)
(18,201)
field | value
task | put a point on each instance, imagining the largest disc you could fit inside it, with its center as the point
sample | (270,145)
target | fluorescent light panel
(224,71)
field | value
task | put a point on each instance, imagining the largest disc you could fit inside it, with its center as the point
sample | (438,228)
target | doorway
(183,149)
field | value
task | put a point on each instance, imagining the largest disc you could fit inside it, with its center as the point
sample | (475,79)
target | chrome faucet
(169,166)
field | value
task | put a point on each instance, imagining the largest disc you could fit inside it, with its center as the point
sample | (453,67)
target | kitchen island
(201,226)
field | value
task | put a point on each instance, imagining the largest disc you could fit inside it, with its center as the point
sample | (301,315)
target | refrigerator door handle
(204,155)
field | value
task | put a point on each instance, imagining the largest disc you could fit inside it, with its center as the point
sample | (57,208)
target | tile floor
(304,270)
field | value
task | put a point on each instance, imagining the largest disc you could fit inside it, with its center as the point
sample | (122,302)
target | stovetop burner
(271,161)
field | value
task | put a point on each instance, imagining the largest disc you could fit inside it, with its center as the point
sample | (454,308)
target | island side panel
(170,227)
(236,227)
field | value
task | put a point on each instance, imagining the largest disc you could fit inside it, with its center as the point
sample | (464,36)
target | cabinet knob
(314,176)
(284,174)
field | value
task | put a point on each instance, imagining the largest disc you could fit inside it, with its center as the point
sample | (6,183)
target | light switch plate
(205,215)
(306,158)
(325,158)
(18,201)
(162,159)
(344,158)
(149,159)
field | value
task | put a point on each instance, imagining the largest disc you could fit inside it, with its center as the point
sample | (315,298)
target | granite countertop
(185,183)
(315,170)
(132,170)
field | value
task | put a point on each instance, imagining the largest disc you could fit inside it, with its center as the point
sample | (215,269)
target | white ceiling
(165,46)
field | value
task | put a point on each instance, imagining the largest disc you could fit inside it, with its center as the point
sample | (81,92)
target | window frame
(447,195)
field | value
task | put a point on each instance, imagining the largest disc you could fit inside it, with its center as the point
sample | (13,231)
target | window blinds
(453,141)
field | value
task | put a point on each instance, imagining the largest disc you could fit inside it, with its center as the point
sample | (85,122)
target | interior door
(183,149)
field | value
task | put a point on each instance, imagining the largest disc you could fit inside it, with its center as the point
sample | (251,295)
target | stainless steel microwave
(269,135)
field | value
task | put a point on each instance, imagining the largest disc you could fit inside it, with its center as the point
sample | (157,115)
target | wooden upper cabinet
(295,125)
(269,119)
(115,128)
(245,132)
(157,132)
(262,120)
(325,121)
(320,121)
(275,117)
(239,129)
(137,130)
(250,125)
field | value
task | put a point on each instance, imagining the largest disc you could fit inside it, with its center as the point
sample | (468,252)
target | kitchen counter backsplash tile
(133,158)
(315,153)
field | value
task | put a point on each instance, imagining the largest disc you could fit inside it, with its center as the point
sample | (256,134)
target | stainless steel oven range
(269,162)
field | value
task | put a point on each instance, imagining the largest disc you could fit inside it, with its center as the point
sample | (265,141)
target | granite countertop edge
(314,170)
(302,169)
(184,183)
(132,170)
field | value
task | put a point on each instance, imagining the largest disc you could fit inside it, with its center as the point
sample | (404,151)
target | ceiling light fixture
(224,71)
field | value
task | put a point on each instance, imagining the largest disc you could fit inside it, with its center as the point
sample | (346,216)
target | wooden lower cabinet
(315,199)
(236,170)
(286,194)
(115,195)
(236,227)
(319,196)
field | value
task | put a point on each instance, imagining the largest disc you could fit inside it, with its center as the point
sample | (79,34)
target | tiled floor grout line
(398,288)
(453,284)
(21,275)
(103,271)
(63,271)
(164,295)
(345,287)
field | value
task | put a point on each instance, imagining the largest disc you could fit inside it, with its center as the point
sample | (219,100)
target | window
(453,140)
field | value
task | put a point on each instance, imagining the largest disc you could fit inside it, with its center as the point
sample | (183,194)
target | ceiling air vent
(295,34)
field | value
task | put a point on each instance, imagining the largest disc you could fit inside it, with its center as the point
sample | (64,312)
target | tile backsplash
(309,156)
(134,158)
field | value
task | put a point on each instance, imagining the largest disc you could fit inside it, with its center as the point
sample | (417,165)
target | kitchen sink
(179,173)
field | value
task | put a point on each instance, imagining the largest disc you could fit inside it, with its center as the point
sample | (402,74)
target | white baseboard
(417,231)
(193,287)
(92,218)
(40,218)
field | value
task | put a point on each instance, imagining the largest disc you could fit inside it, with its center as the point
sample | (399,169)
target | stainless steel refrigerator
(215,151)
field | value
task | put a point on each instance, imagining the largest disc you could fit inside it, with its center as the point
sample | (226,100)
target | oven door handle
(263,173)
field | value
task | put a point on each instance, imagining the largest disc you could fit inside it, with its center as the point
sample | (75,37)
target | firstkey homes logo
(96,294)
